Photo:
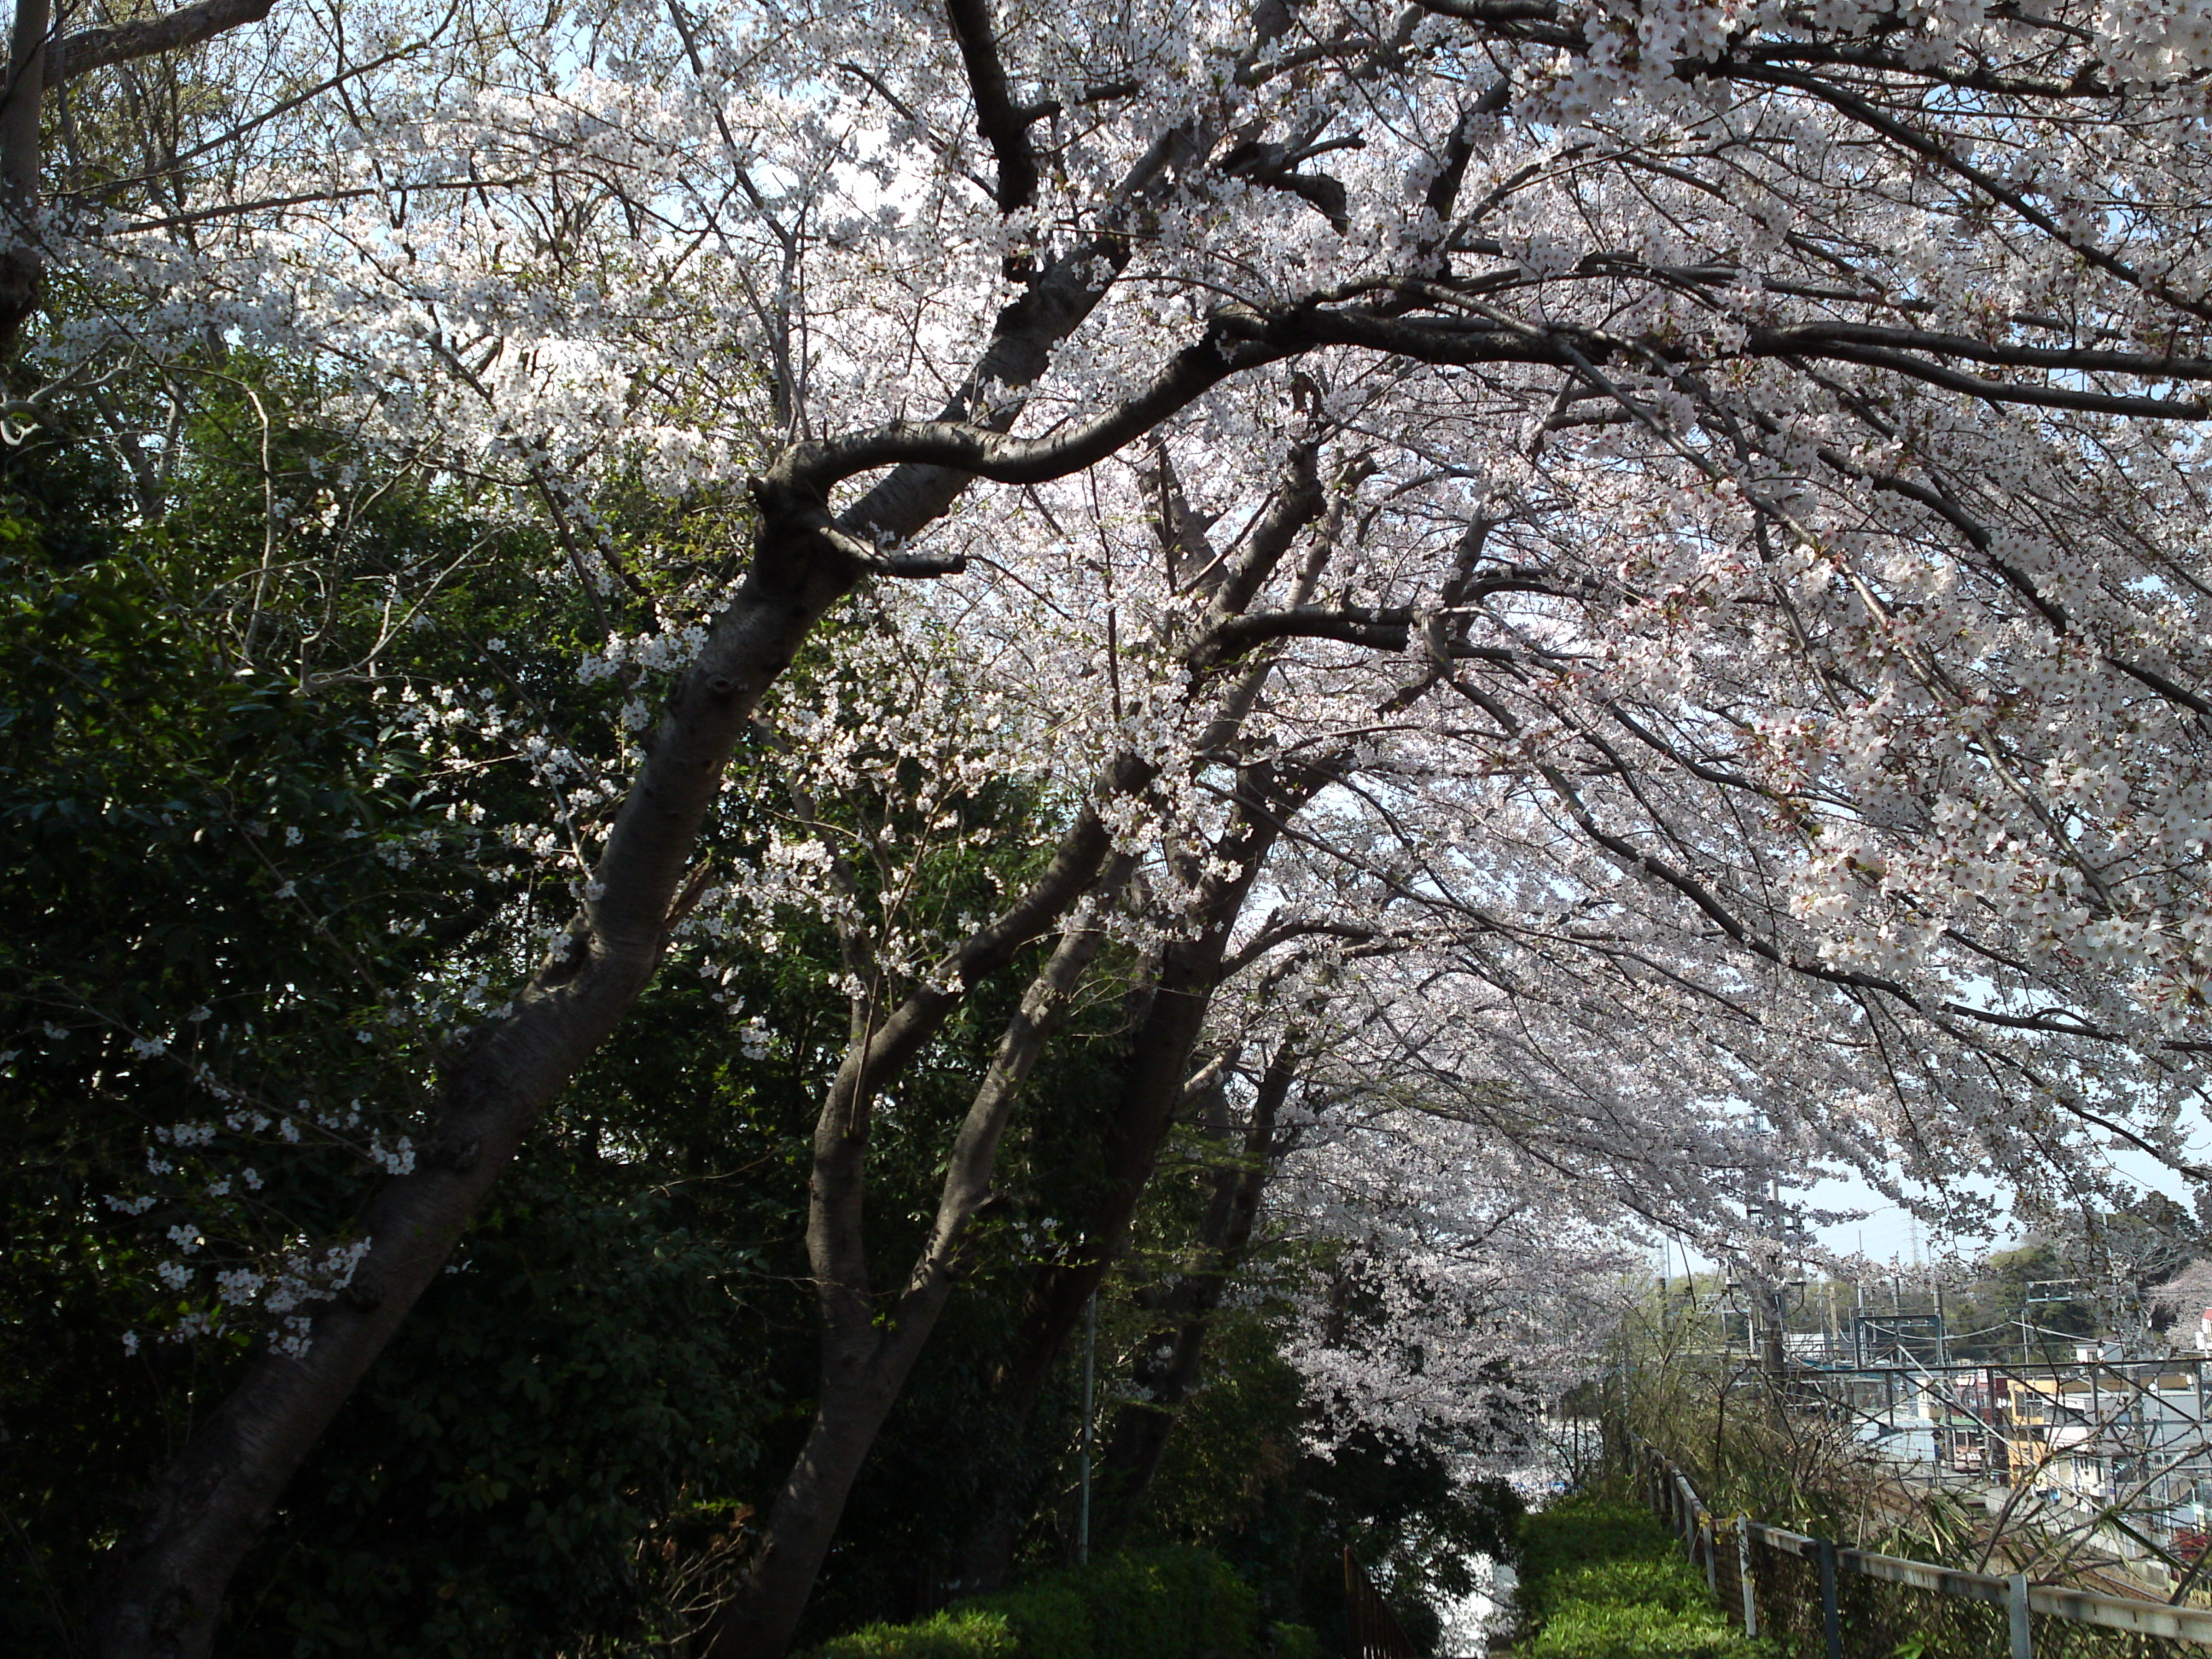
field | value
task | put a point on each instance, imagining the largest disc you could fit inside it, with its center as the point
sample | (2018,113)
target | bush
(1581,1531)
(1604,1580)
(1629,1631)
(1152,1604)
(956,1633)
(1674,1586)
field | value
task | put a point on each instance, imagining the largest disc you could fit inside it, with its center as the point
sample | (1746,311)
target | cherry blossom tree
(1784,471)
(44,57)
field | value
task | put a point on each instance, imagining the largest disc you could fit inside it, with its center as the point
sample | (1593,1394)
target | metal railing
(1375,1631)
(1816,1596)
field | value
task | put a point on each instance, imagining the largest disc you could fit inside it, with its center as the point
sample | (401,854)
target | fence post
(1831,1619)
(1743,1575)
(1710,1528)
(2023,1639)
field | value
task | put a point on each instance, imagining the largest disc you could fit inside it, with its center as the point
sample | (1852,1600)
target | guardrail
(1870,1606)
(1375,1629)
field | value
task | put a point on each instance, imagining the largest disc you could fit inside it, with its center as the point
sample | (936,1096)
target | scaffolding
(2114,1449)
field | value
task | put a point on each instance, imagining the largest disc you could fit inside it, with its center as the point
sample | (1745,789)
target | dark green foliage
(203,839)
(1583,1531)
(1671,1585)
(564,1415)
(155,804)
(1603,1580)
(1631,1631)
(235,873)
(1148,1604)
(960,1633)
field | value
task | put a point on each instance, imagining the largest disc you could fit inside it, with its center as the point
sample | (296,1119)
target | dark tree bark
(866,1361)
(1169,1360)
(1153,1085)
(21,154)
(164,1581)
(868,1354)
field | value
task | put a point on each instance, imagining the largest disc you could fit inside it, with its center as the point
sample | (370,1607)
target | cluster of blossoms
(275,1298)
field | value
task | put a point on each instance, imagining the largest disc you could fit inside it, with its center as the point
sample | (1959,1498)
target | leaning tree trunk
(165,1580)
(1170,1358)
(866,1361)
(1152,1086)
(163,1584)
(866,1358)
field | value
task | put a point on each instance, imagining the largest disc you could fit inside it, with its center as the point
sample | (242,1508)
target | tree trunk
(866,1361)
(802,1524)
(1152,1085)
(163,1582)
(1169,1360)
(803,1521)
(22,155)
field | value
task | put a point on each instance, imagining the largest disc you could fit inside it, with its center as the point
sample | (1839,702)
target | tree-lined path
(713,707)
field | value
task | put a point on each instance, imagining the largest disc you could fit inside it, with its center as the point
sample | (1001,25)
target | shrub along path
(1602,1580)
(1147,1604)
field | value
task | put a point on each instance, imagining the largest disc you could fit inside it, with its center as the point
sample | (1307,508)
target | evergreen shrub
(1148,1604)
(1629,1631)
(1674,1586)
(1604,1580)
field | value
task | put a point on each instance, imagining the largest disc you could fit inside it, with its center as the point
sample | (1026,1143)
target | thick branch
(1074,867)
(1004,127)
(975,1149)
(1168,1369)
(1379,628)
(974,451)
(119,43)
(166,1580)
(866,1361)
(21,156)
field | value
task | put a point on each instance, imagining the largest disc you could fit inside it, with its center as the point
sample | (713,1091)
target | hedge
(1150,1604)
(1602,1580)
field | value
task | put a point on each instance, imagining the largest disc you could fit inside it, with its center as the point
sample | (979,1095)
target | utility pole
(1770,1354)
